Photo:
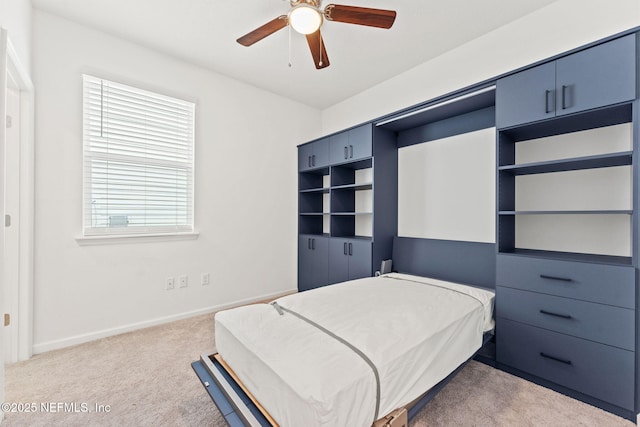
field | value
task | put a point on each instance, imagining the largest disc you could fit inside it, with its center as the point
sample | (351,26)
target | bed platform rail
(234,404)
(239,409)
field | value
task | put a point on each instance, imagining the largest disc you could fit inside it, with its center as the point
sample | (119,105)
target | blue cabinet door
(349,259)
(360,142)
(313,262)
(320,157)
(599,76)
(313,155)
(339,148)
(305,153)
(338,260)
(526,97)
(359,259)
(352,145)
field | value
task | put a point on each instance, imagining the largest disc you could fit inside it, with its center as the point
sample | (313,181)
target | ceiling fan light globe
(305,19)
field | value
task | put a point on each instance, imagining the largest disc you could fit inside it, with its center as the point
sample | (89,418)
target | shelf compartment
(343,225)
(564,165)
(313,180)
(586,232)
(312,203)
(345,174)
(311,224)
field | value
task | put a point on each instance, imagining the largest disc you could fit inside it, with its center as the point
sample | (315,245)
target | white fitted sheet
(415,330)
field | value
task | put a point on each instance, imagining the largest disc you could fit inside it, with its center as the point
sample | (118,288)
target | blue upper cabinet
(602,75)
(527,96)
(355,144)
(313,155)
(599,76)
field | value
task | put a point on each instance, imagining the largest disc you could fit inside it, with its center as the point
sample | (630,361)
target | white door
(16,200)
(3,299)
(11,219)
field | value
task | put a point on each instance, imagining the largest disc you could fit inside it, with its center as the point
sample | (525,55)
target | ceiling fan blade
(318,51)
(380,18)
(266,30)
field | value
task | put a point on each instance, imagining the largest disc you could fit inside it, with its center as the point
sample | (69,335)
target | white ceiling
(204,32)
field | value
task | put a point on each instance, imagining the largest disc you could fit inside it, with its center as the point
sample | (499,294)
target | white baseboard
(92,336)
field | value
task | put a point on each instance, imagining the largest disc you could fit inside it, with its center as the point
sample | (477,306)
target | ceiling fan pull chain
(289,46)
(320,42)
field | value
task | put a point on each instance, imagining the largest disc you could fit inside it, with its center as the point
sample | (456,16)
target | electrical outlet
(184,281)
(204,279)
(170,283)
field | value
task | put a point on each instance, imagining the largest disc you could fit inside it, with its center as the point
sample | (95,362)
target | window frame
(178,231)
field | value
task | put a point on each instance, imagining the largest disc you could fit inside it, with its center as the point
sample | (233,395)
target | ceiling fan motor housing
(314,3)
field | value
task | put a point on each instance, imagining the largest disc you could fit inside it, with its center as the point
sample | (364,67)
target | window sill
(135,238)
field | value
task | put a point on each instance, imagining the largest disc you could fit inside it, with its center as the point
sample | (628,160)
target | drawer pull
(550,313)
(557,359)
(561,279)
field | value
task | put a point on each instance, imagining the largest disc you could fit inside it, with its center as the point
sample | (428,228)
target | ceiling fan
(306,17)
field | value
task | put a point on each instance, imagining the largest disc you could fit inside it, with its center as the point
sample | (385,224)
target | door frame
(22,292)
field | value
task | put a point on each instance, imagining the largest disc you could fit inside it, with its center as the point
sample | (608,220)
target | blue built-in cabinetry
(567,229)
(567,240)
(347,214)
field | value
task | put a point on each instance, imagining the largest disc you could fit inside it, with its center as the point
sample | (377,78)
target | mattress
(414,330)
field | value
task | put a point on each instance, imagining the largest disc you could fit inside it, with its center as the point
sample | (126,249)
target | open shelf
(557,199)
(354,187)
(350,213)
(570,256)
(316,190)
(579,163)
(569,212)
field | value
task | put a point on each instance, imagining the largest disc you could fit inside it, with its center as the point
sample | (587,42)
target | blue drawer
(601,283)
(596,322)
(598,370)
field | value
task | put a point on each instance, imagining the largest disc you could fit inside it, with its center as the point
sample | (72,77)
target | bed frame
(470,263)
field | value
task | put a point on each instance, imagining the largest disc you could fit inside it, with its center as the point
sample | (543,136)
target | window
(138,161)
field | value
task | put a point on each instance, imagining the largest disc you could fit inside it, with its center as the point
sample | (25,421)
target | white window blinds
(138,161)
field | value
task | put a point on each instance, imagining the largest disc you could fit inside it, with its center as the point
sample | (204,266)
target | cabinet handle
(557,359)
(561,279)
(346,153)
(345,248)
(309,159)
(313,160)
(546,102)
(350,249)
(309,244)
(550,313)
(564,96)
(351,151)
(313,244)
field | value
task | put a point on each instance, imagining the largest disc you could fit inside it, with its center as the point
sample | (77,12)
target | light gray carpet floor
(146,379)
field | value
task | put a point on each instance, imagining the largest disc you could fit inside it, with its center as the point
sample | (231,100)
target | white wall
(435,201)
(559,27)
(246,186)
(15,17)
